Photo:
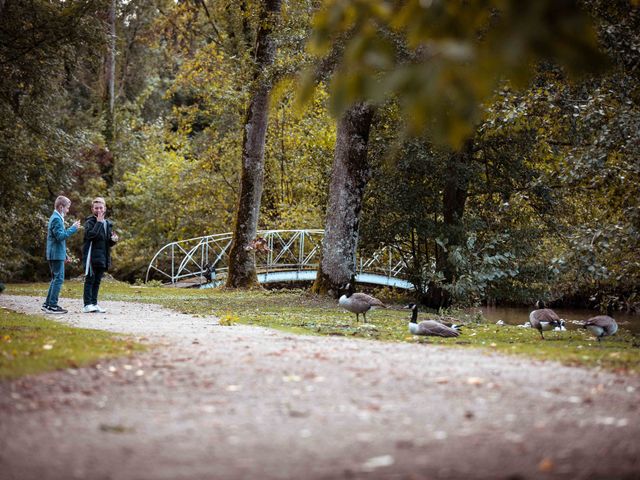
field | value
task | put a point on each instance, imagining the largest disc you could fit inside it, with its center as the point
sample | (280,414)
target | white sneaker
(89,309)
(99,309)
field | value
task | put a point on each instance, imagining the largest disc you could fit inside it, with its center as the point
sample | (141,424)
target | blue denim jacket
(57,237)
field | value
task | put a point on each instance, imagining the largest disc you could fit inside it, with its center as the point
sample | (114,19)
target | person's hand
(114,236)
(76,224)
(100,216)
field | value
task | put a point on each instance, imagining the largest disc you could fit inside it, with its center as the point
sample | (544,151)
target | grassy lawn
(32,344)
(298,312)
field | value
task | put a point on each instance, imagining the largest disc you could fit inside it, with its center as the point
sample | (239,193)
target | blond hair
(61,201)
(98,200)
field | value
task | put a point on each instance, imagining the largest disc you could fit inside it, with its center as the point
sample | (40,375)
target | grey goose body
(601,326)
(430,328)
(544,319)
(359,303)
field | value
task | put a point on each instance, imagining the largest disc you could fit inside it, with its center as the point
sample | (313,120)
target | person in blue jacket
(99,237)
(57,252)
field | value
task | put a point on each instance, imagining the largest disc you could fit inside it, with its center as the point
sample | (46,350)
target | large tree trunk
(110,101)
(349,179)
(242,264)
(454,199)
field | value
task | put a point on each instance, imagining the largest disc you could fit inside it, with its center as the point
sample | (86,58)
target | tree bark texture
(349,177)
(110,101)
(242,264)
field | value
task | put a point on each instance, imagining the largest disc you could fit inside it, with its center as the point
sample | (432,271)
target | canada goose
(544,319)
(601,326)
(358,303)
(430,328)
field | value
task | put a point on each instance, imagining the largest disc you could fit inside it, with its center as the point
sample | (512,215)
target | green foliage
(551,181)
(405,209)
(605,181)
(40,46)
(170,195)
(441,60)
(183,172)
(517,197)
(298,154)
(578,145)
(478,266)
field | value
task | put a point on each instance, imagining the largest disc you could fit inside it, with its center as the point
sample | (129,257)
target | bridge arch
(293,255)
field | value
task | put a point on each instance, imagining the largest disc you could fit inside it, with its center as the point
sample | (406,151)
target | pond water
(520,315)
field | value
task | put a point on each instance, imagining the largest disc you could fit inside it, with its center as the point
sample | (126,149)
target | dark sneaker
(56,309)
(45,307)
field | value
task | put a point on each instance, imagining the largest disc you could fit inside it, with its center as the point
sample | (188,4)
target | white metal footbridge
(292,256)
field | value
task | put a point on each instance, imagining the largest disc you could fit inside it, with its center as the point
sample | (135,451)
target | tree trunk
(110,74)
(242,264)
(349,178)
(454,198)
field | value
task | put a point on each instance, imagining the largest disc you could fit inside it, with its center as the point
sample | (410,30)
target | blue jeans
(57,279)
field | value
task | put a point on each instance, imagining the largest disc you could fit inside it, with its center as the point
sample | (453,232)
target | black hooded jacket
(99,239)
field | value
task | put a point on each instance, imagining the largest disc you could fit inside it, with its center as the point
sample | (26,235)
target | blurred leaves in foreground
(442,59)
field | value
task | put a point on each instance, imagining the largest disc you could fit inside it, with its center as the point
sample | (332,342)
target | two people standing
(99,237)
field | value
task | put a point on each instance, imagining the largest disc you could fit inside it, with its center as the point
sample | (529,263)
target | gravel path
(213,402)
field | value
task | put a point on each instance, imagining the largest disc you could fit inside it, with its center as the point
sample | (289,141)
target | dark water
(520,315)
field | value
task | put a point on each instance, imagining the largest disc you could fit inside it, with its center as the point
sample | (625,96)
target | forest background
(502,146)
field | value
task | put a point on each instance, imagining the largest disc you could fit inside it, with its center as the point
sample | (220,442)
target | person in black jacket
(99,237)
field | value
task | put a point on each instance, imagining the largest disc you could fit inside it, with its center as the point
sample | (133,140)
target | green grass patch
(31,344)
(296,311)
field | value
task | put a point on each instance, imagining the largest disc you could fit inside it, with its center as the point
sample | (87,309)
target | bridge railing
(289,251)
